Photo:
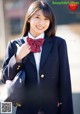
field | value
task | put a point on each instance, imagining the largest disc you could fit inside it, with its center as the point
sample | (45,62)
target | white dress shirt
(37,55)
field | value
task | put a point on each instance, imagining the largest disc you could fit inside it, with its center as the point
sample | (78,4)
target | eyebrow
(37,14)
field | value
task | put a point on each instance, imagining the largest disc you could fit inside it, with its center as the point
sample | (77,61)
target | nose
(41,22)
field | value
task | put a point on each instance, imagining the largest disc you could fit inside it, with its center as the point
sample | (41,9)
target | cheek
(32,22)
(47,24)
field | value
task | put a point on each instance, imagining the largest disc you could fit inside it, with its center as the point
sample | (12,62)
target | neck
(34,35)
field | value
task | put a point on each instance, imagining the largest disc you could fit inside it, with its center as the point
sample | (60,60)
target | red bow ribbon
(35,44)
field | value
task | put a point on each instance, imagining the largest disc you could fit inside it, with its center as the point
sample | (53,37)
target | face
(38,23)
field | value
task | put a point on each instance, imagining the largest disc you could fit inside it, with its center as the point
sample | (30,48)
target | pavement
(71,33)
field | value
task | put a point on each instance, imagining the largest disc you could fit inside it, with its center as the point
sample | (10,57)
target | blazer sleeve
(10,67)
(65,93)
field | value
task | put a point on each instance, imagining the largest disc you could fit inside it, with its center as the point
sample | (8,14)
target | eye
(46,19)
(36,17)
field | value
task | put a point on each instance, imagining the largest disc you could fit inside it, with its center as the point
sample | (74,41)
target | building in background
(12,14)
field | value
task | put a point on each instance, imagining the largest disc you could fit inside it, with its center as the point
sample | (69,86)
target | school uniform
(47,76)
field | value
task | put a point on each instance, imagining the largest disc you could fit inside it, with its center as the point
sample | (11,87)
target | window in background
(15,26)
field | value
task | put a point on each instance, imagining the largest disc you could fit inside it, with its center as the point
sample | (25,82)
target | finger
(27,44)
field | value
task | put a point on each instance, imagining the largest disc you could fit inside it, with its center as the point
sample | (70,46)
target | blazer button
(18,66)
(42,75)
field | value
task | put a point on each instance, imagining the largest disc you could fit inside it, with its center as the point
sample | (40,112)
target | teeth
(40,27)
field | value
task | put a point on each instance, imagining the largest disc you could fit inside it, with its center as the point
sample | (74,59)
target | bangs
(47,14)
(46,10)
(40,5)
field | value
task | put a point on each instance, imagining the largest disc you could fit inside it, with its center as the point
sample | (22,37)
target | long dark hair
(47,11)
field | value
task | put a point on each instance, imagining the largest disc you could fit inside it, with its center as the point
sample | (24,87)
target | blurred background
(12,13)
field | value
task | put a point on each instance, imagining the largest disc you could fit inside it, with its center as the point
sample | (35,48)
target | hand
(22,51)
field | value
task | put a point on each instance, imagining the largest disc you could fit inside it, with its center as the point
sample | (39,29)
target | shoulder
(12,43)
(58,40)
(18,41)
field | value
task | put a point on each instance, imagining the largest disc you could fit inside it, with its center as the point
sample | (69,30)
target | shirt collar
(40,36)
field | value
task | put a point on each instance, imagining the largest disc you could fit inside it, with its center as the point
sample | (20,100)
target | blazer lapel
(45,50)
(31,58)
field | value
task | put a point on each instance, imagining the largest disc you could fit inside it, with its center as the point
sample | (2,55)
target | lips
(73,6)
(39,27)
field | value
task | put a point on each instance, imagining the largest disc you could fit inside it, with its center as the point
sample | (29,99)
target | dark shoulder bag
(14,90)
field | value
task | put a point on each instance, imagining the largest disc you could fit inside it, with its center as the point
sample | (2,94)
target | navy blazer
(54,73)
